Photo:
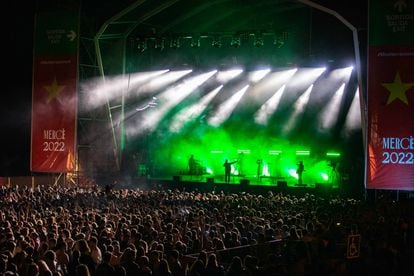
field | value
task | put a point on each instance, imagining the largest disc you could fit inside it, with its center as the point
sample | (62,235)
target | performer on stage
(192,165)
(227,170)
(299,171)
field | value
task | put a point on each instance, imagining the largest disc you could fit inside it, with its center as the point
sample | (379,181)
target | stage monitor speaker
(176,178)
(282,184)
(210,180)
(244,182)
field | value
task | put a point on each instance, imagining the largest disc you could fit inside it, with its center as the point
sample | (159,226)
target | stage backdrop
(54,103)
(390,156)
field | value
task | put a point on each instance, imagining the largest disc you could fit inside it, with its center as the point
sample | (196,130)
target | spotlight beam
(191,112)
(353,118)
(330,113)
(100,93)
(170,98)
(225,109)
(267,109)
(298,109)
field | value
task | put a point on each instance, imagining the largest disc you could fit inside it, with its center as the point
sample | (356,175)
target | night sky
(16,93)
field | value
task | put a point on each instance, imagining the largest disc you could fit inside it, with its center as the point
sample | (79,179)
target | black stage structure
(122,40)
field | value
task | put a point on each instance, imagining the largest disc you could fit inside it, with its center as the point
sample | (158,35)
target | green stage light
(179,126)
(265,171)
(303,152)
(325,176)
(292,173)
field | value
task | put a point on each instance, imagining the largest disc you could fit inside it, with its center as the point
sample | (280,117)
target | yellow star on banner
(397,89)
(53,90)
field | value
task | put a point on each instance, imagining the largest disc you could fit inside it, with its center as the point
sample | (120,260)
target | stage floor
(238,184)
(271,181)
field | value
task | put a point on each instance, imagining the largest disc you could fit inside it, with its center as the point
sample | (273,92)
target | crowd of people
(99,231)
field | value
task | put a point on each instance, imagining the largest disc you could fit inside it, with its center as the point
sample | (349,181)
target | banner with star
(390,148)
(54,93)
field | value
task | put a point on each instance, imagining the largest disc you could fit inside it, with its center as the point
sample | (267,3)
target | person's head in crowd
(106,257)
(24,231)
(161,235)
(9,245)
(164,268)
(32,269)
(93,242)
(129,255)
(178,245)
(75,255)
(269,234)
(176,233)
(29,251)
(209,245)
(34,236)
(126,233)
(82,270)
(310,227)
(12,267)
(144,245)
(44,268)
(109,248)
(236,266)
(154,256)
(80,236)
(83,246)
(173,256)
(212,260)
(160,247)
(52,242)
(116,248)
(218,244)
(140,251)
(144,263)
(169,239)
(50,258)
(244,241)
(197,268)
(134,233)
(235,236)
(169,227)
(153,245)
(62,246)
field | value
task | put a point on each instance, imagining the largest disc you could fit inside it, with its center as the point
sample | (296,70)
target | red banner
(54,95)
(54,115)
(390,148)
(390,163)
